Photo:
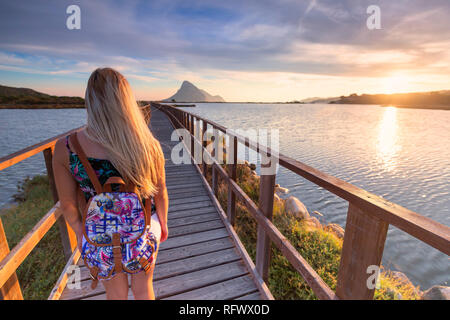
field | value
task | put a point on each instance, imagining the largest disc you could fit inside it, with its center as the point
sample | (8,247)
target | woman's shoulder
(61,151)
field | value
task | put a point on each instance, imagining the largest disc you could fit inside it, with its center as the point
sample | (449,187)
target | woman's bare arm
(162,203)
(67,189)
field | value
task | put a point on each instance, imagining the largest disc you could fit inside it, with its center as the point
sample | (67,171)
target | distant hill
(319,100)
(25,98)
(190,93)
(429,100)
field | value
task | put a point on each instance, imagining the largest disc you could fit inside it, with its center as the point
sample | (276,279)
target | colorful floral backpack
(116,236)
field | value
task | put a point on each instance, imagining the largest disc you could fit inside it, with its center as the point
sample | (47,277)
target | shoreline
(42,106)
(77,106)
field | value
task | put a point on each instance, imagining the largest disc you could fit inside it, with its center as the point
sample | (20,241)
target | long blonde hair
(117,123)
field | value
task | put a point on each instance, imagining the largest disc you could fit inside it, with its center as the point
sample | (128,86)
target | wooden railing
(11,260)
(368,215)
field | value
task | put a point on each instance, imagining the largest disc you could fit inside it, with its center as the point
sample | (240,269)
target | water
(22,128)
(402,155)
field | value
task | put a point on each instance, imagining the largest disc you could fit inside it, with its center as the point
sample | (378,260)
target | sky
(252,50)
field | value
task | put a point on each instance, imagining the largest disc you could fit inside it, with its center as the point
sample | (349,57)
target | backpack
(116,235)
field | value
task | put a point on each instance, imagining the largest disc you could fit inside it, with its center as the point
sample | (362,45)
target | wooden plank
(194,280)
(251,296)
(191,250)
(179,174)
(178,254)
(179,169)
(10,290)
(193,238)
(188,194)
(189,199)
(13,260)
(196,227)
(188,206)
(186,185)
(191,212)
(187,169)
(260,283)
(183,178)
(173,194)
(225,290)
(192,219)
(189,264)
(363,246)
(249,263)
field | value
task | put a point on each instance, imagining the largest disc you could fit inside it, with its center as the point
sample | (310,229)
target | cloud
(159,43)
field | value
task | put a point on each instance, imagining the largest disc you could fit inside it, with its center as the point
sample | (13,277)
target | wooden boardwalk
(203,258)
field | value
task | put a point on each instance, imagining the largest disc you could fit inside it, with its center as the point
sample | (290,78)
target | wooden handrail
(367,220)
(27,152)
(17,255)
(30,151)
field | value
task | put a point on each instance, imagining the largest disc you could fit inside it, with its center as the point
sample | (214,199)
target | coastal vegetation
(319,244)
(424,100)
(24,98)
(39,272)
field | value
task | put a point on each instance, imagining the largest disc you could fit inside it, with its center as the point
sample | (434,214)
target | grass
(322,249)
(39,272)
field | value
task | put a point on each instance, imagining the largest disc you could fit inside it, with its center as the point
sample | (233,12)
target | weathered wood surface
(10,290)
(200,260)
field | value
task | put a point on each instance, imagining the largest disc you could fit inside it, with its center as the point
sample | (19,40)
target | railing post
(11,289)
(198,146)
(363,246)
(263,251)
(204,144)
(216,145)
(191,129)
(214,179)
(232,165)
(68,237)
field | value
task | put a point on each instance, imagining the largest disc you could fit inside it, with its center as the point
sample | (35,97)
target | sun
(395,84)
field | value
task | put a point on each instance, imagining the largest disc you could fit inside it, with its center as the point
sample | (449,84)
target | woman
(116,142)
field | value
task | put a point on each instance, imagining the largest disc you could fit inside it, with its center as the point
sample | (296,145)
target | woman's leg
(142,283)
(117,287)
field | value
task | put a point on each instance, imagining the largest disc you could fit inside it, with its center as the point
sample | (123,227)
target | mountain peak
(188,92)
(187,83)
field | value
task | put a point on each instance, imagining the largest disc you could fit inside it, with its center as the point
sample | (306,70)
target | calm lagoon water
(402,155)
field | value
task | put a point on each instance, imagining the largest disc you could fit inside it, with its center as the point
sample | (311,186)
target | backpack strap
(148,212)
(114,180)
(87,166)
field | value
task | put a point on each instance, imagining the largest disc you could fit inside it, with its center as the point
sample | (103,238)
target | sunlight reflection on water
(387,145)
